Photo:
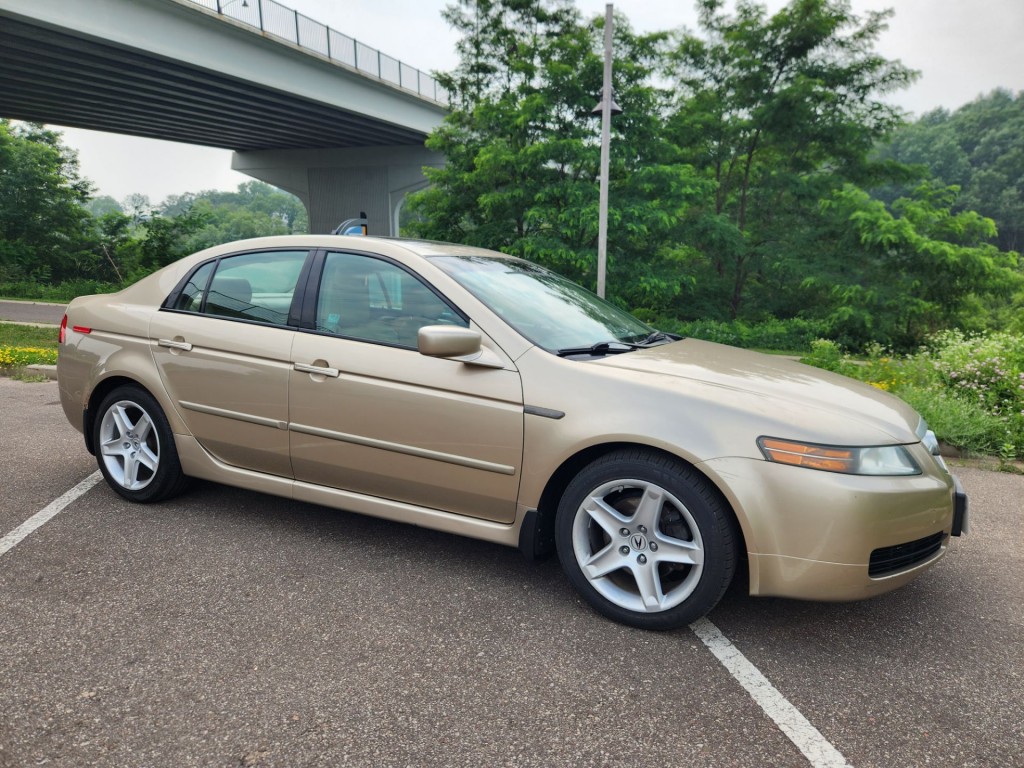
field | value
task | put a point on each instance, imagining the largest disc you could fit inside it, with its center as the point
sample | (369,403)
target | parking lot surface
(227,628)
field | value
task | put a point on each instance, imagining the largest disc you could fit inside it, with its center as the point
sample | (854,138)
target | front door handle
(318,370)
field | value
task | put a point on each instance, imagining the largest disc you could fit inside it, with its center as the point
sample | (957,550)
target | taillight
(63,335)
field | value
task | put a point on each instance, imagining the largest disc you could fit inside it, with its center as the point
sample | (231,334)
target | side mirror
(456,343)
(447,341)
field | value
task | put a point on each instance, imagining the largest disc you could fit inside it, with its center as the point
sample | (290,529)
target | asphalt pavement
(31,312)
(227,628)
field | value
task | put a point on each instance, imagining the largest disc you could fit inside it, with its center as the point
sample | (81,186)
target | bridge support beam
(336,184)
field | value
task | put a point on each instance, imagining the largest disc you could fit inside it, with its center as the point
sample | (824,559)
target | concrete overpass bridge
(304,107)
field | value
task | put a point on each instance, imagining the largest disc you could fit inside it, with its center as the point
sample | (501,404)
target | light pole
(607,108)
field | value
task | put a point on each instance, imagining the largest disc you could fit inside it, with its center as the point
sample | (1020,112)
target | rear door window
(252,286)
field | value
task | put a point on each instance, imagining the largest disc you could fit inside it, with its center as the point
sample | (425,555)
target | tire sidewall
(702,502)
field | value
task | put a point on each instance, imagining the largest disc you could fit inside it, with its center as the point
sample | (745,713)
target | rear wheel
(646,539)
(135,448)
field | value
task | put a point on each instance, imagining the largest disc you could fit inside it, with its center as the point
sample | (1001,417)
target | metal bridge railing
(279,20)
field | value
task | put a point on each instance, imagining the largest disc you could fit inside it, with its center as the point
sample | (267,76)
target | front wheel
(646,539)
(135,448)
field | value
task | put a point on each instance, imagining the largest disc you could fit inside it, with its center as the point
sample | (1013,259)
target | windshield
(547,309)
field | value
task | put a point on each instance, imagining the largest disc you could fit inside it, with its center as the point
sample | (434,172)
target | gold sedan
(471,392)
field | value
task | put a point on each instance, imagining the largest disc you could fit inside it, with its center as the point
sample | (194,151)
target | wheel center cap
(638,541)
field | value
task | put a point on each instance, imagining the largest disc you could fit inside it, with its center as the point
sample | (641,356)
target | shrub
(986,369)
(792,335)
(63,292)
(959,422)
(969,388)
(825,354)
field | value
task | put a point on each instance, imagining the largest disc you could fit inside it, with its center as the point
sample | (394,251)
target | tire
(135,448)
(646,539)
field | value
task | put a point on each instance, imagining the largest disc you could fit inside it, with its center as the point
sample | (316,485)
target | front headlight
(870,460)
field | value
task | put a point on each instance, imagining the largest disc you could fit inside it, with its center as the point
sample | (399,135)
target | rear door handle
(173,344)
(318,370)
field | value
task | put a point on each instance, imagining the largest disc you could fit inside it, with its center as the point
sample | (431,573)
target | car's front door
(369,414)
(223,349)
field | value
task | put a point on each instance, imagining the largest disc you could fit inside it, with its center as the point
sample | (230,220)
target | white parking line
(808,739)
(47,513)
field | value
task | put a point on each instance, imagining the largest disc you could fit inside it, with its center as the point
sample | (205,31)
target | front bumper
(961,508)
(812,535)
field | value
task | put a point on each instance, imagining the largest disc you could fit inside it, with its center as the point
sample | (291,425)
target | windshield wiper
(601,348)
(617,347)
(658,337)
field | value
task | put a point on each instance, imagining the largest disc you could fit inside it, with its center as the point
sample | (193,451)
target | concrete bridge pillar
(336,184)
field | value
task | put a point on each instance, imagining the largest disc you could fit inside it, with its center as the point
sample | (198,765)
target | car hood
(813,402)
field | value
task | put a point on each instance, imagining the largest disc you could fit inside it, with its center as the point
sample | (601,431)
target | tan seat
(344,308)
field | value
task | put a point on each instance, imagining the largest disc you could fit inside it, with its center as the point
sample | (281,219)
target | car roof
(356,242)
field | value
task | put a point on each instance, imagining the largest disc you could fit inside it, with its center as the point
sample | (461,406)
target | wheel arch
(563,475)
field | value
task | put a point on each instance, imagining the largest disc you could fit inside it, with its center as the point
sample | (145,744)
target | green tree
(911,268)
(131,248)
(980,148)
(495,139)
(255,209)
(522,151)
(165,240)
(53,231)
(776,111)
(143,239)
(45,232)
(102,205)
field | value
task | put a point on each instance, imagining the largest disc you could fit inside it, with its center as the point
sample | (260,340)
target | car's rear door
(369,414)
(223,348)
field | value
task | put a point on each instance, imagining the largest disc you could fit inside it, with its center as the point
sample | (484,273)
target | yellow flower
(16,357)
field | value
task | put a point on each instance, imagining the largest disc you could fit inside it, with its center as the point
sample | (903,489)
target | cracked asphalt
(226,628)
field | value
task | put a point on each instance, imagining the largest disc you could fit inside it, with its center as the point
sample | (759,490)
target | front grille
(889,560)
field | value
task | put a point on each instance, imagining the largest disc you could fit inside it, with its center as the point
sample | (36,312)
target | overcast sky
(963,48)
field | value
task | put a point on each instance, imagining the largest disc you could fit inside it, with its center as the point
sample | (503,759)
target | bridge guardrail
(279,20)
